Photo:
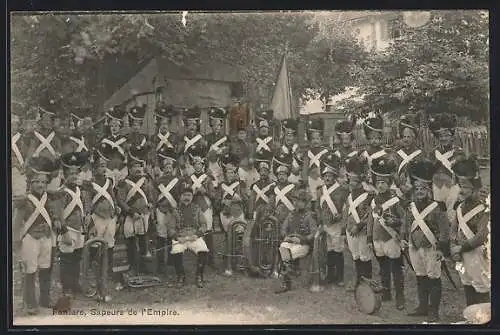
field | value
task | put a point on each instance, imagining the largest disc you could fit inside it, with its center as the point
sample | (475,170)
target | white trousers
(391,248)
(196,246)
(36,253)
(358,246)
(133,227)
(77,241)
(162,223)
(105,228)
(334,241)
(290,251)
(477,270)
(425,262)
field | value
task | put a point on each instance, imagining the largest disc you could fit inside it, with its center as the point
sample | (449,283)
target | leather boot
(398,278)
(202,256)
(29,293)
(286,284)
(339,268)
(161,244)
(481,298)
(169,249)
(385,277)
(367,269)
(469,295)
(65,272)
(423,297)
(44,279)
(434,299)
(131,254)
(209,241)
(331,268)
(177,259)
(358,269)
(75,286)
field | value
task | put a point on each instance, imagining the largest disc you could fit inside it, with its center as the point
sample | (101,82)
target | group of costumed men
(379,202)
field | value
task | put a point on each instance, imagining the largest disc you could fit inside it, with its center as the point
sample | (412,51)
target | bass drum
(260,246)
(368,296)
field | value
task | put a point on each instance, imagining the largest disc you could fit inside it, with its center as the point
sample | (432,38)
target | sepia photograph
(250,168)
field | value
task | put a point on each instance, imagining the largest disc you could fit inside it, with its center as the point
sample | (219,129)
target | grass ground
(244,300)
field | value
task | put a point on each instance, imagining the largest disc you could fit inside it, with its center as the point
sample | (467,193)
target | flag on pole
(282,101)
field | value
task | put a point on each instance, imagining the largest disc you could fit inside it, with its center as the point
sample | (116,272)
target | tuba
(318,265)
(102,277)
(236,254)
(261,246)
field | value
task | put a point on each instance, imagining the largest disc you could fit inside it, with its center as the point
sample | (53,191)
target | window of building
(394,28)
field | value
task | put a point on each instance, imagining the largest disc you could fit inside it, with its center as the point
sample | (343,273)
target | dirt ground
(242,300)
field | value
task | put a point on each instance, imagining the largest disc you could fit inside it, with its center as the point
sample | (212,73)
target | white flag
(282,102)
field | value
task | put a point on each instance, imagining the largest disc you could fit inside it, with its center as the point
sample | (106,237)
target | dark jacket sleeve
(444,232)
(481,235)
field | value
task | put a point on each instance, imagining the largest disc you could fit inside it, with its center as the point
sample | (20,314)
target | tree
(442,66)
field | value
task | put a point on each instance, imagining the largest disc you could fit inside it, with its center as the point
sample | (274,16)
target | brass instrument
(101,288)
(261,244)
(235,242)
(318,265)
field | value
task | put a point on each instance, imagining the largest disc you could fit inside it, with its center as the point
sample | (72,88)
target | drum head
(368,301)
(478,313)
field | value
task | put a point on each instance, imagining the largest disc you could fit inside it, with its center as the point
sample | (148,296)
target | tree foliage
(442,66)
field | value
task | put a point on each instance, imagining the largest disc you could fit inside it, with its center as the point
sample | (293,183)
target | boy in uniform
(332,197)
(103,207)
(136,195)
(217,142)
(186,232)
(384,231)
(75,209)
(345,136)
(373,128)
(37,219)
(45,140)
(445,155)
(469,233)
(191,137)
(204,193)
(164,137)
(314,156)
(358,214)
(262,191)
(428,230)
(168,185)
(298,232)
(117,168)
(231,197)
(264,141)
(408,152)
(19,185)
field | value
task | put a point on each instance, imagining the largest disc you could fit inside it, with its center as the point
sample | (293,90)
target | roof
(153,74)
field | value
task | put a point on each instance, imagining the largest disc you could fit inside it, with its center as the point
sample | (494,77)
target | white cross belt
(102,191)
(463,219)
(419,221)
(165,192)
(281,196)
(314,159)
(136,188)
(45,143)
(39,210)
(76,200)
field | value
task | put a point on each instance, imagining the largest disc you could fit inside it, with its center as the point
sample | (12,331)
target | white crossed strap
(385,206)
(445,158)
(45,143)
(463,219)
(116,145)
(80,143)
(281,196)
(261,193)
(216,145)
(191,141)
(76,200)
(419,221)
(262,144)
(349,155)
(15,148)
(375,155)
(229,190)
(39,210)
(407,158)
(165,192)
(314,159)
(136,188)
(102,192)
(198,181)
(396,189)
(353,205)
(164,140)
(326,196)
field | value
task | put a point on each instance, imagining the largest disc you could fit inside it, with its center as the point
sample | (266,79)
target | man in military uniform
(291,146)
(262,191)
(264,140)
(445,154)
(469,233)
(315,154)
(191,137)
(204,193)
(164,137)
(298,232)
(136,195)
(45,140)
(231,197)
(75,209)
(186,232)
(103,208)
(37,218)
(240,146)
(117,168)
(384,231)
(429,233)
(374,131)
(358,215)
(136,137)
(77,142)
(408,131)
(332,197)
(345,137)
(168,185)
(217,141)
(19,185)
